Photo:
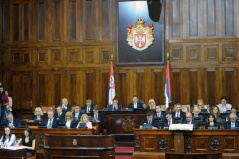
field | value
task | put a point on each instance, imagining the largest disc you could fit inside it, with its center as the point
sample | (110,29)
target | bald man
(232,123)
(189,120)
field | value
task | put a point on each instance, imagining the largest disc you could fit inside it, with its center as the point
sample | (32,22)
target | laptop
(203,110)
(147,126)
(82,125)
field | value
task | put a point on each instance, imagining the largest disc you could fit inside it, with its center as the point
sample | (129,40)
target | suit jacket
(68,108)
(78,118)
(194,122)
(73,124)
(16,123)
(54,123)
(139,105)
(182,115)
(227,125)
(111,108)
(84,108)
(162,116)
(165,122)
(154,123)
(200,118)
(101,118)
(215,125)
(60,118)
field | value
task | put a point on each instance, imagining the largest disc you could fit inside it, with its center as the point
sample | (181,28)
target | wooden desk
(193,156)
(40,132)
(197,141)
(13,154)
(97,146)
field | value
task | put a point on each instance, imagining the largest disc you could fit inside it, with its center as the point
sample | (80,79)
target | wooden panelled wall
(52,49)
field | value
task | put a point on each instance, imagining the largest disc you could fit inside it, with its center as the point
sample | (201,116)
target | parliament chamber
(55,49)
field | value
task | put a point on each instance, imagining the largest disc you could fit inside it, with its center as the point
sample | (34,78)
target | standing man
(135,104)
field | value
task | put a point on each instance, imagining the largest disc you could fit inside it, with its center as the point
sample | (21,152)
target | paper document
(14,147)
(187,127)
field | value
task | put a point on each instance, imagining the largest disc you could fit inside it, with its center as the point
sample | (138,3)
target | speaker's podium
(179,130)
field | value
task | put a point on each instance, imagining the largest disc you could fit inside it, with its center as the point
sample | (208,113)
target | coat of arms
(140,37)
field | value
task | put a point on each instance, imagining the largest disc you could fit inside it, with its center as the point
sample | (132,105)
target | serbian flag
(111,84)
(168,93)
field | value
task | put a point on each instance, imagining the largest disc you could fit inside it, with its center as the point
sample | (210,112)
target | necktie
(158,115)
(169,123)
(88,110)
(50,124)
(177,114)
(59,115)
(96,117)
(188,122)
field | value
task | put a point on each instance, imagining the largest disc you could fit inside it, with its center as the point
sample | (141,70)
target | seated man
(196,115)
(88,107)
(60,116)
(189,120)
(135,104)
(65,106)
(158,114)
(150,120)
(11,121)
(99,118)
(51,122)
(77,113)
(114,106)
(232,123)
(168,120)
(178,114)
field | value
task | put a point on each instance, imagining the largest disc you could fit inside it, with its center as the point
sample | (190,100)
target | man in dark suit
(60,116)
(135,104)
(114,106)
(196,116)
(158,114)
(189,120)
(65,105)
(178,114)
(77,113)
(51,122)
(168,120)
(150,120)
(232,123)
(11,121)
(88,107)
(99,118)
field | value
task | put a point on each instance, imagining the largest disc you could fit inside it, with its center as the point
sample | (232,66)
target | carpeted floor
(124,152)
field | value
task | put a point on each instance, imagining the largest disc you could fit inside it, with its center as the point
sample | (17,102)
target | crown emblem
(140,21)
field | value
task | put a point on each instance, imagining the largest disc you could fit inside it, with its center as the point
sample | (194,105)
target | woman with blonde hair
(69,120)
(151,104)
(85,119)
(215,111)
(38,114)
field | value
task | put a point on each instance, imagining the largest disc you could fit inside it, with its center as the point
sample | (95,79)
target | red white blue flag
(168,93)
(111,84)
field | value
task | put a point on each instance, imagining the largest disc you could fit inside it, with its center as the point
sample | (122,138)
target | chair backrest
(104,109)
(45,108)
(163,107)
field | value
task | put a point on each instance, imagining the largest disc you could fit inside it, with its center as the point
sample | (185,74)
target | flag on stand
(111,84)
(168,93)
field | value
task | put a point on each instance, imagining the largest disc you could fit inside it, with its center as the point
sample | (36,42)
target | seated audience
(212,123)
(50,122)
(38,114)
(196,115)
(99,118)
(85,119)
(115,106)
(150,120)
(200,104)
(151,104)
(69,122)
(158,114)
(65,105)
(12,122)
(8,138)
(169,120)
(234,110)
(135,104)
(88,107)
(9,106)
(232,123)
(28,140)
(190,120)
(216,113)
(224,106)
(77,113)
(59,115)
(178,114)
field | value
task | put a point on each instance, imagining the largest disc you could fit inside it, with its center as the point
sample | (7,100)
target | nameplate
(181,127)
